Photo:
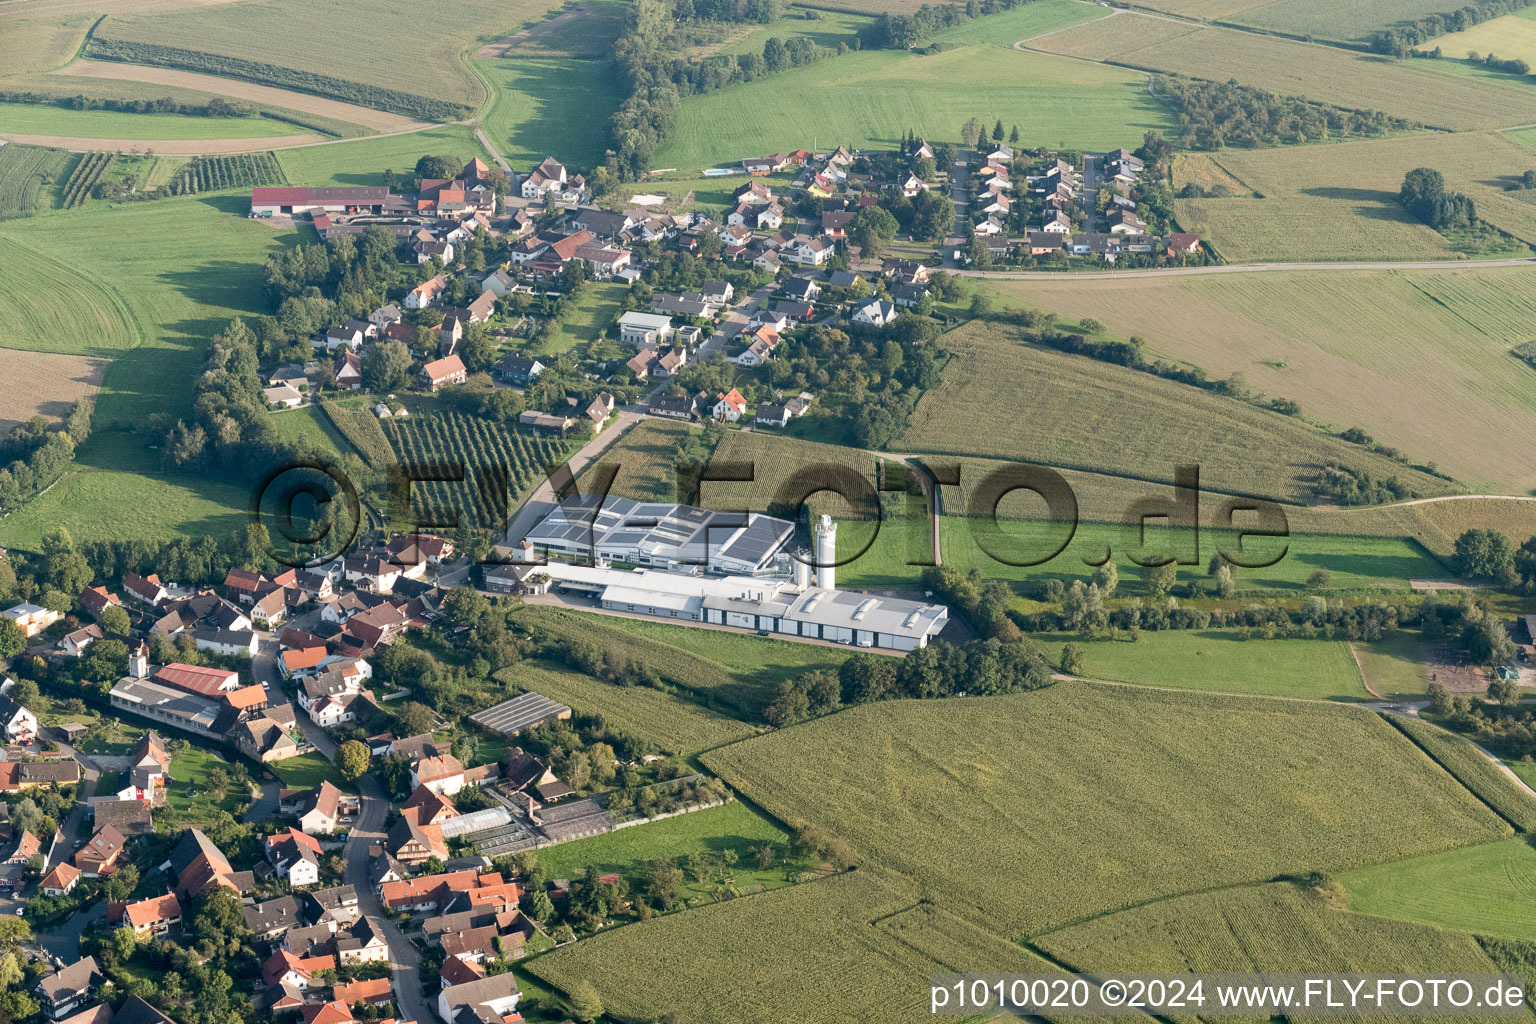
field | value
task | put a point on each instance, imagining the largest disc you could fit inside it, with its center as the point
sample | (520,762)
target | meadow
(674,724)
(732,826)
(186,794)
(1090,415)
(307,771)
(1221,661)
(1309,191)
(364,161)
(116,491)
(1446,392)
(1207,790)
(871,97)
(549,106)
(829,29)
(1477,772)
(1327,74)
(39,43)
(40,119)
(824,952)
(308,425)
(1353,563)
(1254,929)
(735,673)
(295,34)
(1394,664)
(1488,890)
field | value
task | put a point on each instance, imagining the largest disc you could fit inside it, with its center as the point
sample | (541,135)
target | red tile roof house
(96,599)
(195,679)
(283,966)
(327,1013)
(99,855)
(154,916)
(60,880)
(374,992)
(148,589)
(448,370)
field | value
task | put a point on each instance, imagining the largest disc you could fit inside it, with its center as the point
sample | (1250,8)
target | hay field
(549,106)
(1328,74)
(675,725)
(38,44)
(1512,36)
(45,384)
(1447,390)
(870,97)
(1112,795)
(1255,929)
(1089,415)
(35,119)
(301,35)
(1339,202)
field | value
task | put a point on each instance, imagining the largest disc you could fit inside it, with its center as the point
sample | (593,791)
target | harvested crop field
(1208,790)
(1089,415)
(1327,74)
(1339,202)
(45,384)
(378,120)
(40,44)
(179,147)
(1324,19)
(1448,391)
(31,118)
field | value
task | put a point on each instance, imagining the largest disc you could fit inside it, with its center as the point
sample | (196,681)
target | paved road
(960,196)
(70,826)
(485,141)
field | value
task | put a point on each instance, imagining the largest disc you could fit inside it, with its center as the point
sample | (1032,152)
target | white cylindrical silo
(803,571)
(826,553)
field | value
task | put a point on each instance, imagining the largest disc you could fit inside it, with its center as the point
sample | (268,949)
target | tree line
(907,31)
(1401,38)
(34,455)
(1216,114)
(1425,196)
(218,106)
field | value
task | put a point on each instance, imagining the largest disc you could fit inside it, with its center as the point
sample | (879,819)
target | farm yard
(1090,415)
(868,98)
(1308,191)
(1276,812)
(483,449)
(1447,392)
(1327,74)
(674,724)
(45,384)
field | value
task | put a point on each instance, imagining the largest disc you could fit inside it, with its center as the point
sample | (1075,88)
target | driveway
(542,500)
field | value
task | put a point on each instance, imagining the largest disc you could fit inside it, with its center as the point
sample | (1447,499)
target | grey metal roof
(521,712)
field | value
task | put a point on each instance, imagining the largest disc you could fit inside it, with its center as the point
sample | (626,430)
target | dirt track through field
(265,95)
(164,147)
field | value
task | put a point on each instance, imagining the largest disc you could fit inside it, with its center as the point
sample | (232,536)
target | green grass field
(549,106)
(1326,74)
(1394,664)
(37,119)
(364,161)
(1487,890)
(829,29)
(145,285)
(1267,928)
(1510,37)
(733,826)
(1309,190)
(1446,392)
(307,771)
(674,724)
(1090,415)
(1355,563)
(1221,661)
(871,97)
(187,794)
(1208,791)
(116,491)
(308,425)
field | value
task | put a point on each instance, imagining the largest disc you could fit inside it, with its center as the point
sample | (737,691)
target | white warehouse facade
(795,610)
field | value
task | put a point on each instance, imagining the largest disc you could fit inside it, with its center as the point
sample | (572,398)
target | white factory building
(790,609)
(662,535)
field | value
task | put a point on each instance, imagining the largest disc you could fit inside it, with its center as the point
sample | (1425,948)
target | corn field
(87,172)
